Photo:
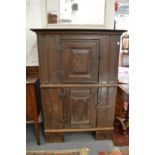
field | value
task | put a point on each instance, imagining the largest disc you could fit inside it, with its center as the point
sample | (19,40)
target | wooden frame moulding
(77,85)
(78,130)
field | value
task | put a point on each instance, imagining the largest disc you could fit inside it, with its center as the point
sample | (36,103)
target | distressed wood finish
(106,106)
(78,86)
(71,108)
(79,60)
(78,74)
(52,108)
(82,108)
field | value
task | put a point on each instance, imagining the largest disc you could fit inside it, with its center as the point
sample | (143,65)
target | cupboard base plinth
(104,135)
(54,137)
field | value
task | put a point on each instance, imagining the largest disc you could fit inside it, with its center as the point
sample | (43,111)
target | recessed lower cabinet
(78,78)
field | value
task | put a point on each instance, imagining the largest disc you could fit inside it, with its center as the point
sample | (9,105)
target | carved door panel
(81,107)
(69,107)
(79,61)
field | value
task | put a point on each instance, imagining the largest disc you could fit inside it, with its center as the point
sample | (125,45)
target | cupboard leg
(104,135)
(54,137)
(37,134)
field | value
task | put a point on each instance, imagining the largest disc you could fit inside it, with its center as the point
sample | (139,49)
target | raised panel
(82,107)
(80,64)
(80,60)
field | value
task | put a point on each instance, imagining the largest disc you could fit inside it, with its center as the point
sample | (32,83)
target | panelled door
(79,61)
(69,107)
(82,107)
(79,107)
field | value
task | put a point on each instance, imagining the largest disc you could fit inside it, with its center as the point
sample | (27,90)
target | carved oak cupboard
(78,76)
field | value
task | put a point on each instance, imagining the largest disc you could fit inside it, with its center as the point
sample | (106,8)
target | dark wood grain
(79,85)
(113,61)
(79,130)
(78,74)
(104,59)
(83,111)
(52,108)
(44,58)
(78,31)
(79,60)
(105,107)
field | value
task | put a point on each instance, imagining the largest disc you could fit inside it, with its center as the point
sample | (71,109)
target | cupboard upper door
(79,61)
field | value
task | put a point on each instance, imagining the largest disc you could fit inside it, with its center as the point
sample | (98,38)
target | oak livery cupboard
(78,79)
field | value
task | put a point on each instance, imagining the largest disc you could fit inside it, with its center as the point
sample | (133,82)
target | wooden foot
(104,135)
(36,127)
(54,137)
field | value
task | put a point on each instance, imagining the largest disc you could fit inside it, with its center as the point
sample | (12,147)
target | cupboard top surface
(40,30)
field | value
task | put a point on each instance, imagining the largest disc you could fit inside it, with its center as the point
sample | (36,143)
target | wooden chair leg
(37,134)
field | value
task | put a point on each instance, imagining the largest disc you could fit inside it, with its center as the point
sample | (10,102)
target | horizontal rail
(77,85)
(78,130)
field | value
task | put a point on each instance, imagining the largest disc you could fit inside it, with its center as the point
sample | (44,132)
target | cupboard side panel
(106,107)
(43,55)
(113,60)
(104,58)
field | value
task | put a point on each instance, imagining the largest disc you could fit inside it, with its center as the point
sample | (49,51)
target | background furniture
(123,105)
(32,71)
(32,103)
(124,59)
(122,99)
(124,119)
(124,55)
(78,77)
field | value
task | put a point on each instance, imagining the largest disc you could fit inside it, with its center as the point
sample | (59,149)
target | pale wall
(35,17)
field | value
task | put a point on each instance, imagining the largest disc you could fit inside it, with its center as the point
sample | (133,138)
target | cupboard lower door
(82,107)
(69,107)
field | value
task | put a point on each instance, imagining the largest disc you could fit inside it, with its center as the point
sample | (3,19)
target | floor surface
(72,141)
